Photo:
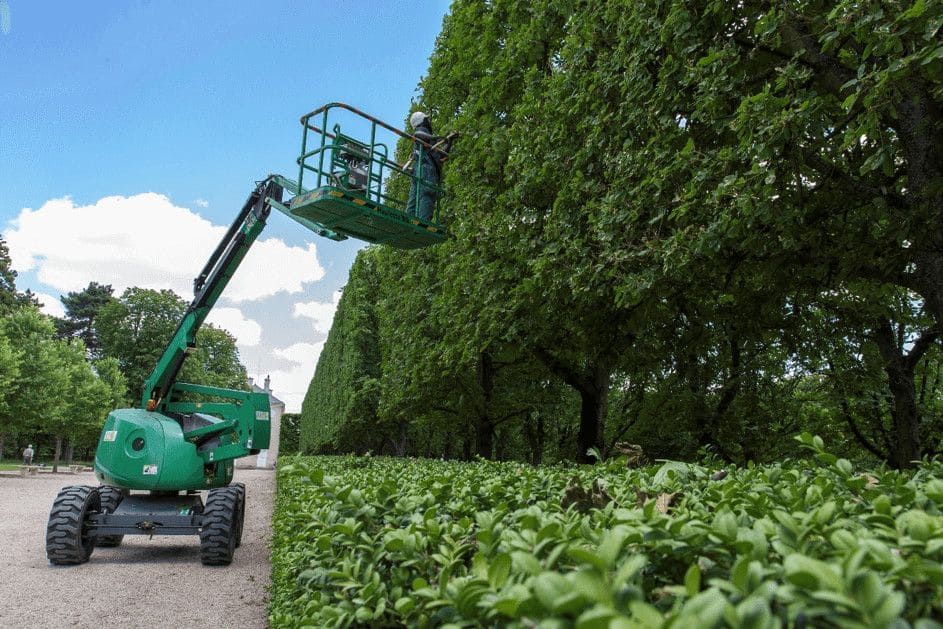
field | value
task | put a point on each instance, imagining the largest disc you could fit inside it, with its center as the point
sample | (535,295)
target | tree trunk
(594,403)
(711,430)
(917,126)
(69,452)
(537,443)
(402,440)
(500,448)
(928,281)
(484,425)
(592,383)
(904,416)
(58,453)
(3,439)
(484,437)
(906,446)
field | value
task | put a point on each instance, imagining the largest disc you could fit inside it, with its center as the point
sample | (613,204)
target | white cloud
(145,240)
(201,203)
(290,385)
(322,312)
(248,332)
(51,305)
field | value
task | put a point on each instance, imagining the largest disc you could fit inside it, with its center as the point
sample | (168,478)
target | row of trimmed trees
(683,225)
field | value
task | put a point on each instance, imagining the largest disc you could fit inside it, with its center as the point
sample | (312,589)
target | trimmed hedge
(381,542)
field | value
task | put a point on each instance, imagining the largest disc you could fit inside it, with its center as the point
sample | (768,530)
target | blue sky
(103,103)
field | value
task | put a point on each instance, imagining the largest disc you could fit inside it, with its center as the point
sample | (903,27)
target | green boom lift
(154,461)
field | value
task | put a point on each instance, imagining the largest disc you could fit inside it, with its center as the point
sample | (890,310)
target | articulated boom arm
(208,286)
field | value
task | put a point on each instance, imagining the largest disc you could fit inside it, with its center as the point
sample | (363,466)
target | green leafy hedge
(377,541)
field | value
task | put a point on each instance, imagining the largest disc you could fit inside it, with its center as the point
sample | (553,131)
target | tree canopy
(690,225)
(135,328)
(81,311)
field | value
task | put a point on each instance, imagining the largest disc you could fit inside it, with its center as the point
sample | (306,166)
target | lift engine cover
(139,449)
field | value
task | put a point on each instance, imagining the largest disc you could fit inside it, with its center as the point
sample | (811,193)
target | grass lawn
(7,465)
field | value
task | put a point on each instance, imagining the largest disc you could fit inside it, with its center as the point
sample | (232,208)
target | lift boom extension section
(183,438)
(171,443)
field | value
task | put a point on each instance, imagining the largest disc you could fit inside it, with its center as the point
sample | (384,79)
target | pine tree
(82,310)
(8,295)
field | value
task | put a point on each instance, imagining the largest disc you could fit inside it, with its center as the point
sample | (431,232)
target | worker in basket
(427,166)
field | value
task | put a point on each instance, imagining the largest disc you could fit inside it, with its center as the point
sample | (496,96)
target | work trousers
(422,192)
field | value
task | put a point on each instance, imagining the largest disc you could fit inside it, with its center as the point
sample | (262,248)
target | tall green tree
(38,390)
(109,372)
(662,202)
(8,293)
(525,193)
(135,329)
(81,311)
(86,400)
(215,361)
(779,143)
(9,372)
(10,297)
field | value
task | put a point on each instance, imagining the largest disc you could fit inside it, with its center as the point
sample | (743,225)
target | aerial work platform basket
(352,181)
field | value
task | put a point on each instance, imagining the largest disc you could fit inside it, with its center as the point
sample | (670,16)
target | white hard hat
(417,118)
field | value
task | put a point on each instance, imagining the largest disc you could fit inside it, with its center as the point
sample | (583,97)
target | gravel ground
(157,582)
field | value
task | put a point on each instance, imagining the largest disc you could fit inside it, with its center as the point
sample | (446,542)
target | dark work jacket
(433,158)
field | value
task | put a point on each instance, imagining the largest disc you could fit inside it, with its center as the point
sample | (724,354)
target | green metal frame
(360,205)
(229,423)
(245,420)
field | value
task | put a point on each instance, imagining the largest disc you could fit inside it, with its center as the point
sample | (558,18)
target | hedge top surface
(427,543)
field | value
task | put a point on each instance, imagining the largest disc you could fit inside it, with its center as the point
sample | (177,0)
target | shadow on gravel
(175,553)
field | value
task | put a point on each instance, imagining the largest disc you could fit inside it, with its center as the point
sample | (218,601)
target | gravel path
(157,582)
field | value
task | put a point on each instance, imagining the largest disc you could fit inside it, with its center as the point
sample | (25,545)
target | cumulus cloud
(51,305)
(248,332)
(201,203)
(145,240)
(290,385)
(321,312)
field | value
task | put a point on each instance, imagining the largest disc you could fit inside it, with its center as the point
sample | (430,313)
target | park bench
(29,469)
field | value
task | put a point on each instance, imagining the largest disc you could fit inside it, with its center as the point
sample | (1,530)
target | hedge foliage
(380,542)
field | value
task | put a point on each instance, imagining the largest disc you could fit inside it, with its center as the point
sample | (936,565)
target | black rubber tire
(111,497)
(241,491)
(68,541)
(218,534)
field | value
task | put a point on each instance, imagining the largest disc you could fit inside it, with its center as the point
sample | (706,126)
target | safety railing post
(323,141)
(373,138)
(301,160)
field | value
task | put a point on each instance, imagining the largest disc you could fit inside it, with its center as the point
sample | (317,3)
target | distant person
(427,166)
(28,455)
